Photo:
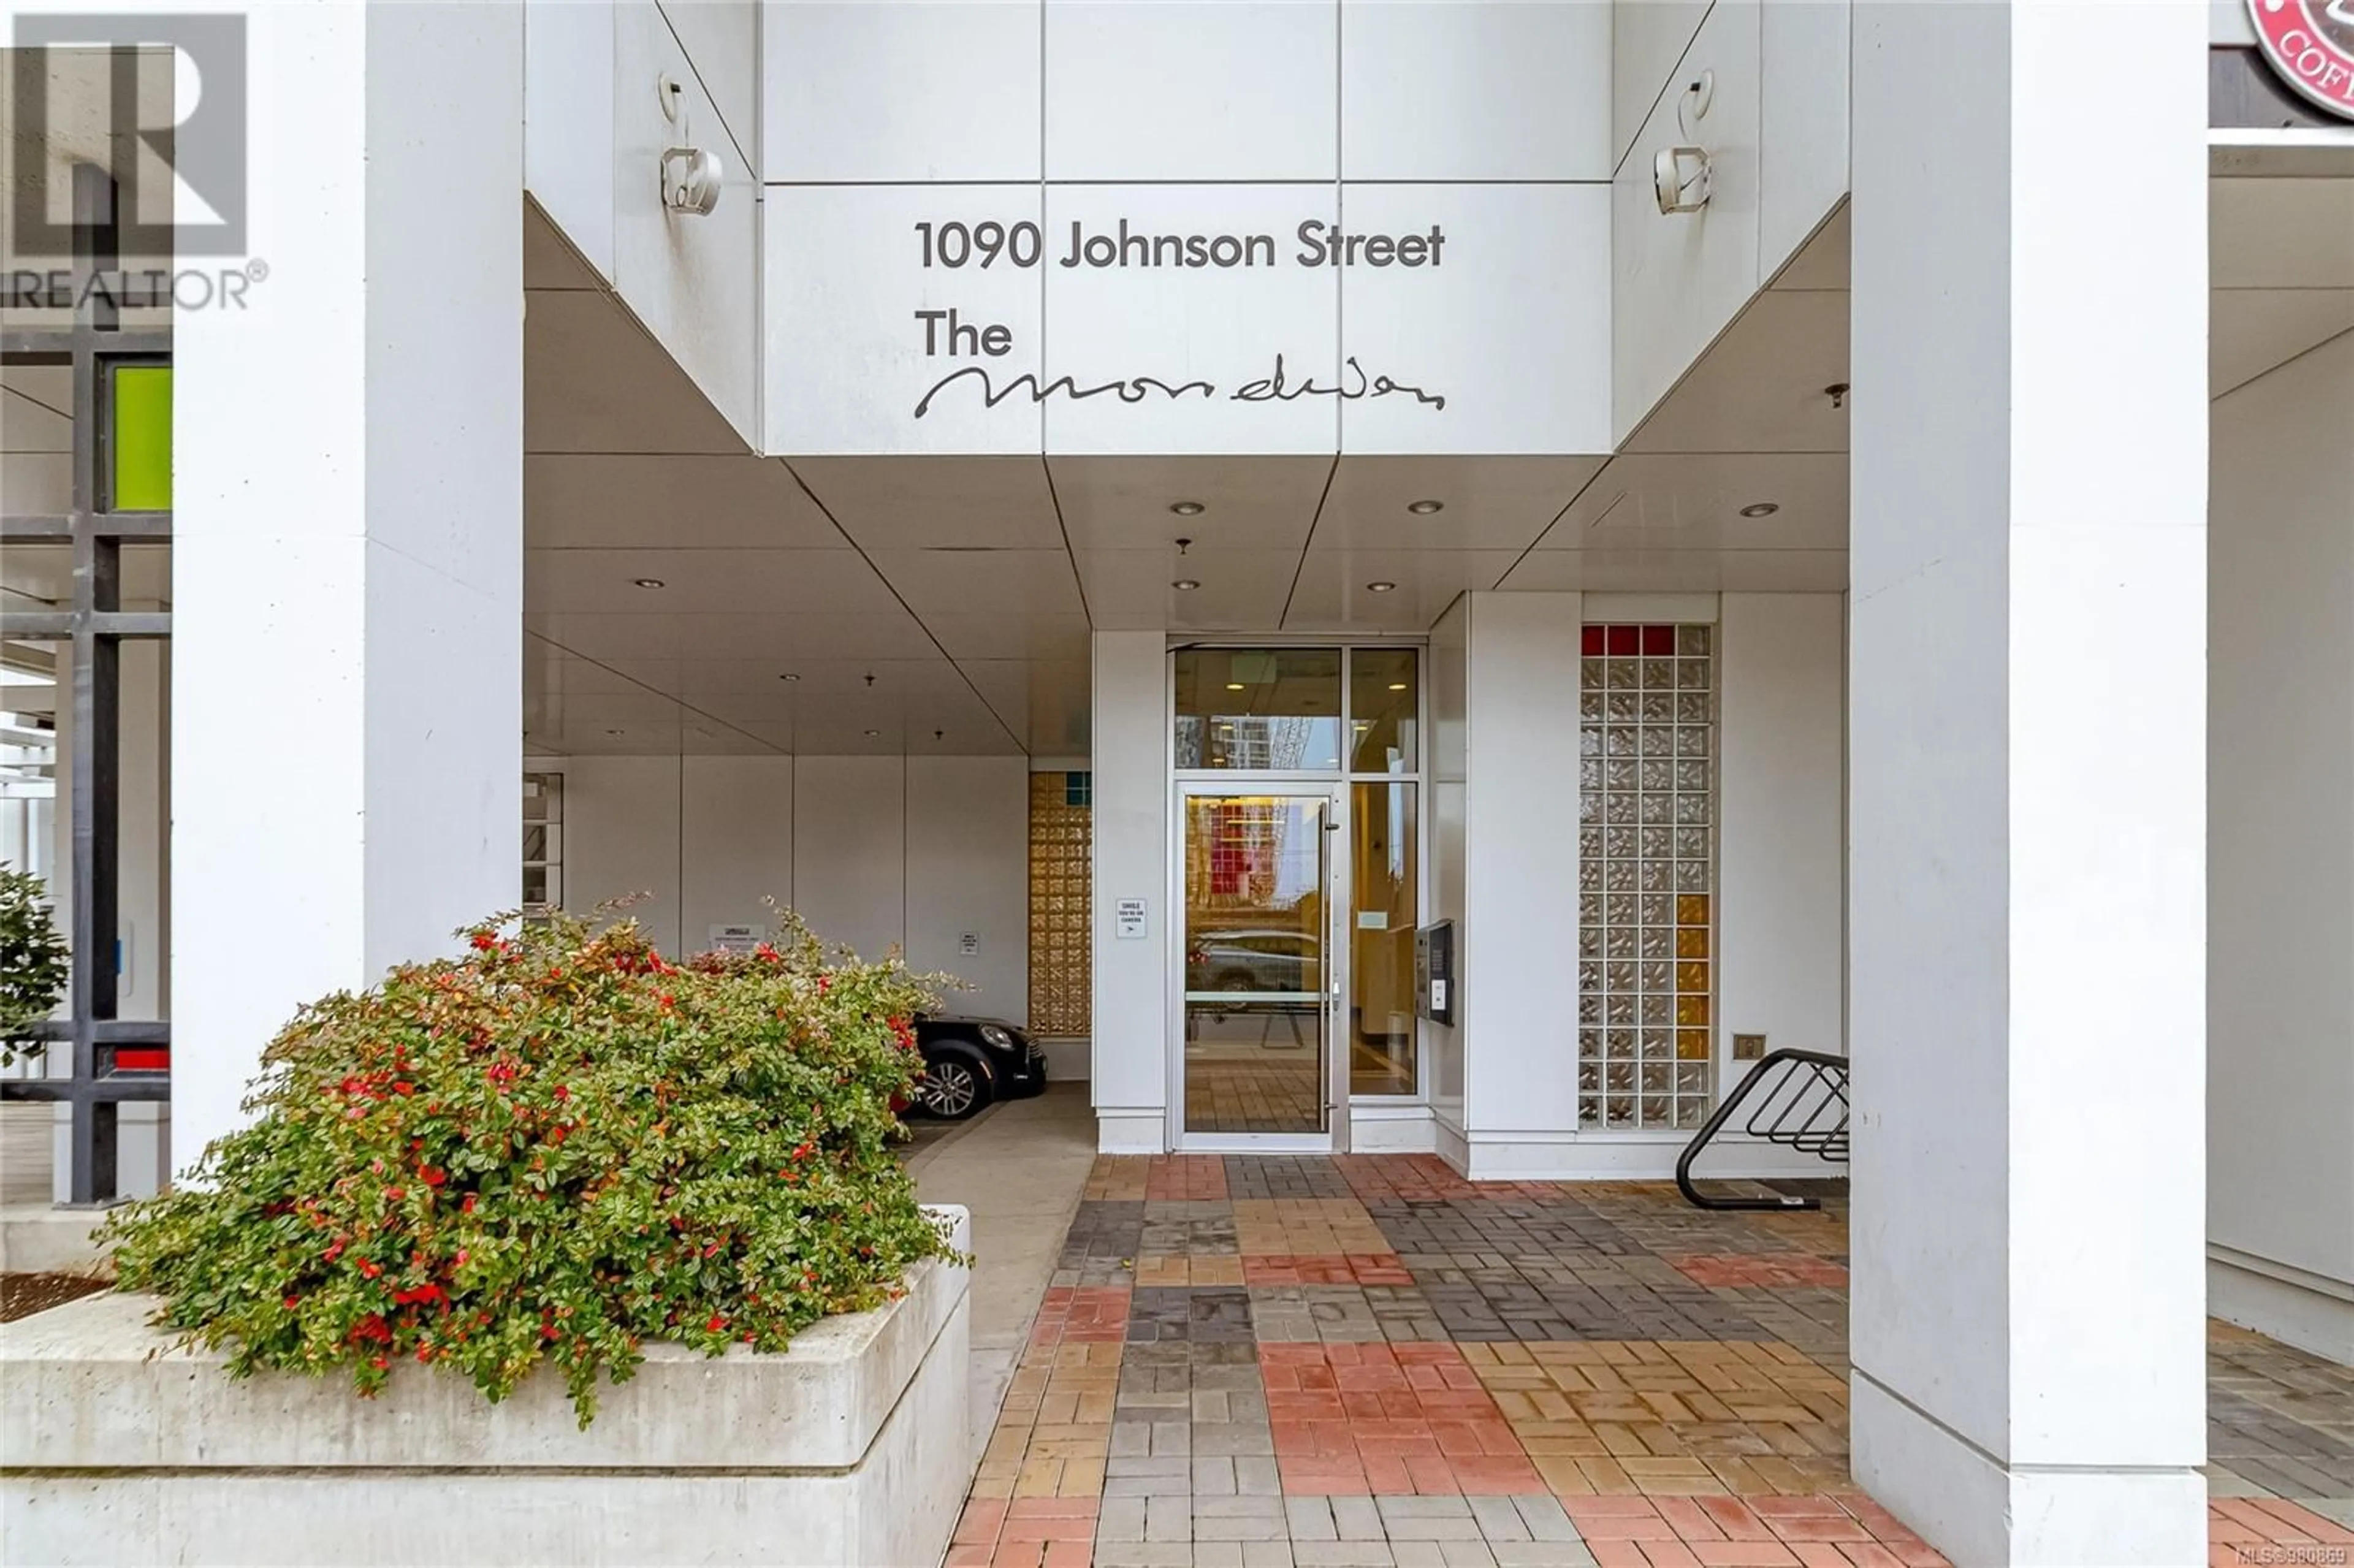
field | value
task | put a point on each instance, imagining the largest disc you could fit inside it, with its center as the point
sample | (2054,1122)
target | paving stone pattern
(1371,1362)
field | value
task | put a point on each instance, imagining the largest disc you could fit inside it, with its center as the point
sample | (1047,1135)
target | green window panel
(143,437)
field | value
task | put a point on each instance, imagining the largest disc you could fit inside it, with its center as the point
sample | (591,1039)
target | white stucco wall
(1504,762)
(594,134)
(1486,118)
(874,851)
(1782,843)
(2280,1064)
(1131,785)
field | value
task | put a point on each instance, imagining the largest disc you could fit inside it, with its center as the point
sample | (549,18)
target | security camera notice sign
(975,354)
(2310,43)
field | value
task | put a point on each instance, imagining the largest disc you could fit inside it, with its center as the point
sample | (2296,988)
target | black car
(970,1063)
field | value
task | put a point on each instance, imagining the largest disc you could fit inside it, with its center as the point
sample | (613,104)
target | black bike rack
(1801,1104)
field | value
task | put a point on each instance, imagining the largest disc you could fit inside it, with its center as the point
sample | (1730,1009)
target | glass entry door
(1262,973)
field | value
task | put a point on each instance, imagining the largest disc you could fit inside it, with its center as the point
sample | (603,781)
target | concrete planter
(848,1449)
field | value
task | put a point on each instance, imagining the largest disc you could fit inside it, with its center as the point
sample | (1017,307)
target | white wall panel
(1512,328)
(847,365)
(1131,785)
(2280,1066)
(621,839)
(1781,847)
(1475,89)
(1180,90)
(693,281)
(1803,56)
(1677,280)
(927,89)
(1222,326)
(968,874)
(1647,41)
(735,843)
(849,842)
(567,120)
(1520,883)
(722,39)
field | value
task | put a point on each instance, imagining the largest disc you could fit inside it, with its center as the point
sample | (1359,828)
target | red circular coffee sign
(2311,44)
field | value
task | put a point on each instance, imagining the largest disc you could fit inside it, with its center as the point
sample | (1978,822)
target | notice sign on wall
(1127,920)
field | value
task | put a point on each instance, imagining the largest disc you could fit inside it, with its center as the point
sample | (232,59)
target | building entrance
(1297,879)
(1261,979)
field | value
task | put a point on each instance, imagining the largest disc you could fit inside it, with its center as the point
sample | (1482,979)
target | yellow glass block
(1692,1010)
(1692,1044)
(1692,942)
(1691,909)
(1692,976)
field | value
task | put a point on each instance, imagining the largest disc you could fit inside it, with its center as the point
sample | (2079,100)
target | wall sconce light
(1684,176)
(691,177)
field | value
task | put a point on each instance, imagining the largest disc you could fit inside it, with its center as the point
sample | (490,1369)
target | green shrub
(556,1148)
(33,960)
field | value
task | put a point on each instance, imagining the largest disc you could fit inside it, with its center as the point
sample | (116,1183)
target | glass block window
(1647,876)
(1062,847)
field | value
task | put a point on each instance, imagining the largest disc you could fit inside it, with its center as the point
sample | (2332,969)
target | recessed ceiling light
(649,582)
(1397,686)
(788,675)
(1425,508)
(872,733)
(1184,584)
(1761,509)
(1381,587)
(1187,508)
(1234,686)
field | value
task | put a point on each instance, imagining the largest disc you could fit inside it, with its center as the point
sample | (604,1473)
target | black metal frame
(96,627)
(1777,1119)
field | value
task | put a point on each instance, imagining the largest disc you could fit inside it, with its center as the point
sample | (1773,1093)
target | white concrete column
(346,763)
(1517,942)
(1129,1074)
(2027,776)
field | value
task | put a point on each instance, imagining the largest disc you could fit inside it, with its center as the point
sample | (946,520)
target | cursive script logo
(1352,384)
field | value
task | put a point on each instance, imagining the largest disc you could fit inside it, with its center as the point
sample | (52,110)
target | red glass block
(1626,641)
(1594,641)
(1659,642)
(142,1059)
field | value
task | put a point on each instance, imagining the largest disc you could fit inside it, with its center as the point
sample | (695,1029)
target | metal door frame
(1338,900)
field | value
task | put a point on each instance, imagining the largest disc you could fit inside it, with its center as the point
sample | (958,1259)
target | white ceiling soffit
(1373,590)
(708,501)
(966,502)
(595,381)
(1486,502)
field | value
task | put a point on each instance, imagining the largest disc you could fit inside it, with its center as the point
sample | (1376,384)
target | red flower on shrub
(332,1142)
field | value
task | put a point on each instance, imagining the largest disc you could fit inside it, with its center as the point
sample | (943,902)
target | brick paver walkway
(1370,1363)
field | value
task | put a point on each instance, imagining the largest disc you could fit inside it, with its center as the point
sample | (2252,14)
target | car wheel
(952,1088)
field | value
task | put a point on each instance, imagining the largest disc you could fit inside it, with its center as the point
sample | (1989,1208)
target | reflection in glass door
(1257,878)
